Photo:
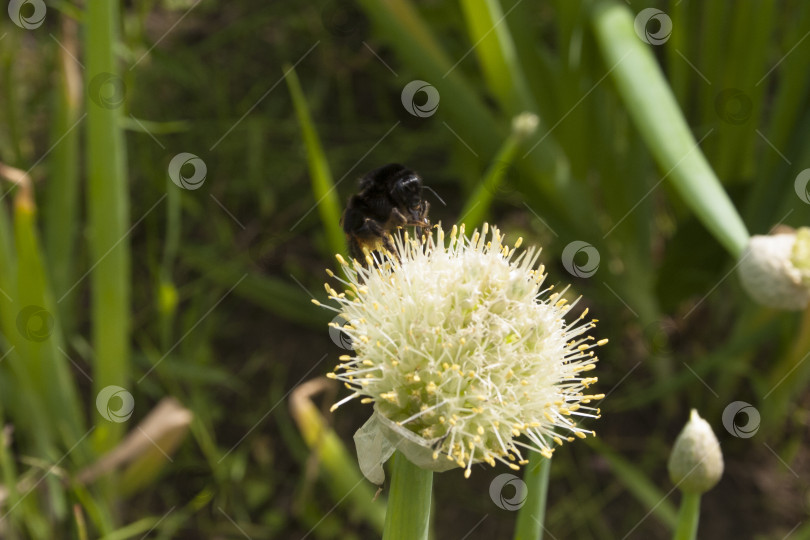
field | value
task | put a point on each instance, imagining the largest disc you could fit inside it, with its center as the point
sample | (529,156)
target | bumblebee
(390,197)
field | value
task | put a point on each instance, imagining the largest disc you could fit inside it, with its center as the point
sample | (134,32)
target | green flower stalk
(464,353)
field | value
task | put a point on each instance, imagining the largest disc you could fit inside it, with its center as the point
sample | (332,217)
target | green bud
(696,462)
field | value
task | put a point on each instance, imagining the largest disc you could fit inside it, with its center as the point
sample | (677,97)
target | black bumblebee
(390,197)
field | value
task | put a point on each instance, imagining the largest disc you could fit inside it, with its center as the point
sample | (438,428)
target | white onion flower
(457,341)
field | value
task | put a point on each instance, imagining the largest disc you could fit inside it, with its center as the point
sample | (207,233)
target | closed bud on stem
(525,124)
(696,462)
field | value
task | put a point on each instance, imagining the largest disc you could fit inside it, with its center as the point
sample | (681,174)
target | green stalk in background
(9,55)
(323,188)
(47,367)
(167,299)
(533,512)
(408,514)
(60,423)
(344,480)
(653,108)
(108,210)
(496,53)
(477,206)
(61,205)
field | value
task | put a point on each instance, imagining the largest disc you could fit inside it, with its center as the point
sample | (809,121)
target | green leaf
(323,188)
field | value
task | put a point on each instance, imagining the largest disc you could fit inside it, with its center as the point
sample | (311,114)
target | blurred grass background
(204,294)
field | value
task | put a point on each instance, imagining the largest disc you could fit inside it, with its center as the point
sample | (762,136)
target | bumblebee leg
(424,229)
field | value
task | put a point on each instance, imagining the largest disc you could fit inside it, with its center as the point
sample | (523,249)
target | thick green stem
(688,517)
(108,209)
(533,512)
(654,111)
(408,514)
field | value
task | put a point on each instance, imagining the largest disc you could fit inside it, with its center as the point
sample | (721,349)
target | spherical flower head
(458,342)
(696,462)
(775,269)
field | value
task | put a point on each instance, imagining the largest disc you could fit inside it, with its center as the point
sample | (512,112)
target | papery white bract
(457,340)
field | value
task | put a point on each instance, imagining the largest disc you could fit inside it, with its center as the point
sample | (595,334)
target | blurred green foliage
(221,276)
